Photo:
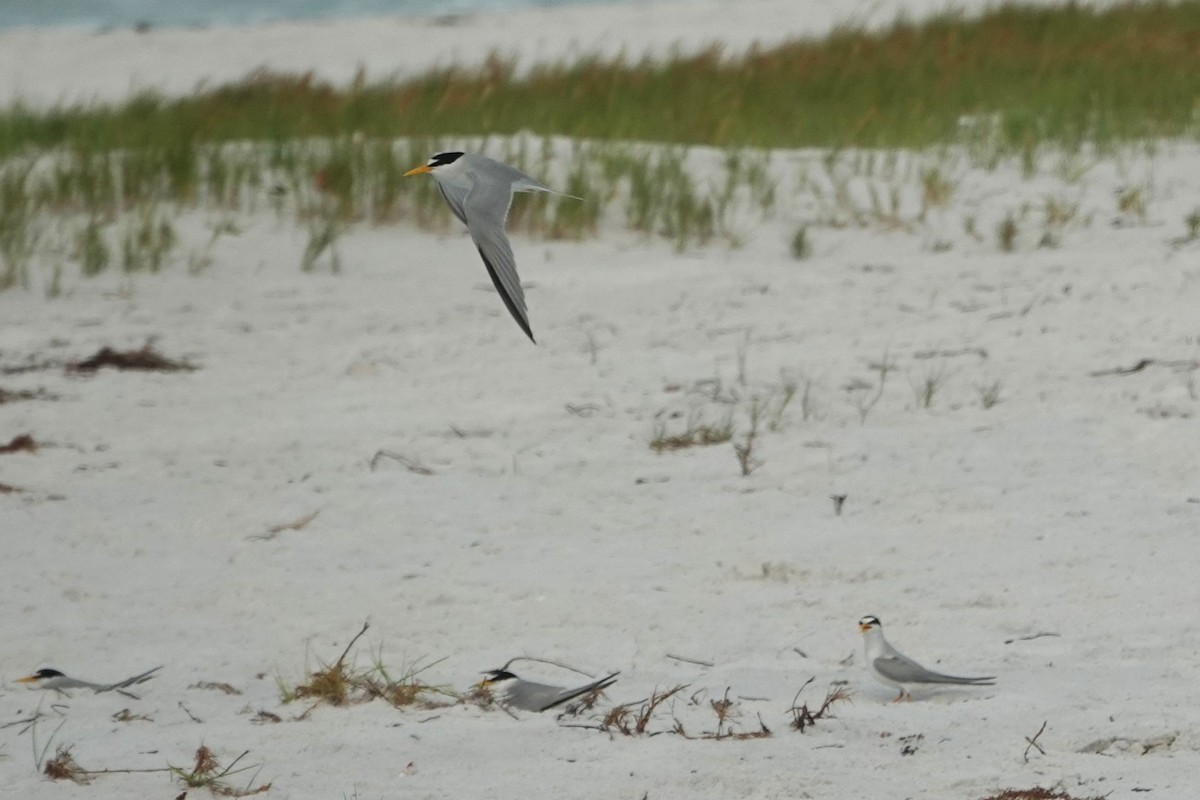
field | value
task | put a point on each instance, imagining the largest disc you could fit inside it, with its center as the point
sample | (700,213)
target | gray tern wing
(64,682)
(566,695)
(135,680)
(485,207)
(532,696)
(902,669)
(453,196)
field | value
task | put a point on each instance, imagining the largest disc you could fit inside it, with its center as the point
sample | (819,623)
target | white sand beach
(1048,537)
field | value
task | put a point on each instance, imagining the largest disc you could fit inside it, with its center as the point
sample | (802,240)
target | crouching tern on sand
(892,668)
(54,680)
(513,692)
(479,191)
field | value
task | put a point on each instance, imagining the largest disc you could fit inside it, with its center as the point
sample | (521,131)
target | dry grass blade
(125,715)
(340,683)
(409,464)
(207,772)
(294,525)
(63,767)
(628,722)
(586,702)
(331,684)
(803,716)
(217,686)
(407,689)
(763,732)
(697,434)
(727,716)
(1033,743)
(726,711)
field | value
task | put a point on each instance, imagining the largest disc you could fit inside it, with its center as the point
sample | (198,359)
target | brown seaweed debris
(22,443)
(8,396)
(146,359)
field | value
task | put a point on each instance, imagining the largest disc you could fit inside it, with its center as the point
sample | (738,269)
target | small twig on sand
(357,636)
(188,711)
(294,525)
(408,463)
(1031,637)
(1033,743)
(1146,362)
(107,771)
(549,661)
(802,717)
(695,661)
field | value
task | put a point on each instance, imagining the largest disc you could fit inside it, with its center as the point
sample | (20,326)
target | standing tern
(530,696)
(479,190)
(54,680)
(892,668)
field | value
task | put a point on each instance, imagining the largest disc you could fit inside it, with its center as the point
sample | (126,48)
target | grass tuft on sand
(1017,73)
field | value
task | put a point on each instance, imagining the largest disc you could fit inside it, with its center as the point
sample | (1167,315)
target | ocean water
(103,14)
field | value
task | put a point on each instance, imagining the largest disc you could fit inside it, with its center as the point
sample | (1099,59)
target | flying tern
(479,190)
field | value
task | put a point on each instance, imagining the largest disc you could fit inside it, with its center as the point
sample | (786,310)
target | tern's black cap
(442,159)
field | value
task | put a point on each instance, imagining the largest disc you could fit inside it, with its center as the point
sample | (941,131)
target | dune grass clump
(802,716)
(341,683)
(728,728)
(1016,73)
(406,689)
(64,767)
(696,433)
(104,185)
(207,773)
(19,231)
(121,209)
(634,719)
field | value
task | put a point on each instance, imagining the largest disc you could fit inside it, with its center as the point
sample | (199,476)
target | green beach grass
(100,184)
(1064,74)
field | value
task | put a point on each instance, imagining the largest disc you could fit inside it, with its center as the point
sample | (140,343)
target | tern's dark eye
(441,159)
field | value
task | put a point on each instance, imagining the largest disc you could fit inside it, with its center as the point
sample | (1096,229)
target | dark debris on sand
(8,396)
(20,444)
(147,359)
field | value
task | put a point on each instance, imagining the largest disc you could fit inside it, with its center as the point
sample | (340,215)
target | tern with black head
(892,668)
(53,680)
(479,190)
(514,692)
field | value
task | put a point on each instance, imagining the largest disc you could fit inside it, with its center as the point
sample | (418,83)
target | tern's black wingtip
(528,331)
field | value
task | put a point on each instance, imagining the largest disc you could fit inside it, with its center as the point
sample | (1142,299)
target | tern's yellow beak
(27,679)
(864,628)
(418,170)
(483,684)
